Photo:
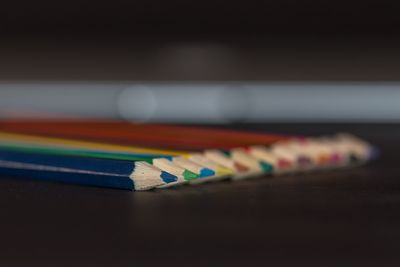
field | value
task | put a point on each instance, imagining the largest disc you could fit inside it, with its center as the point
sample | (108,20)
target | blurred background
(201,61)
(302,67)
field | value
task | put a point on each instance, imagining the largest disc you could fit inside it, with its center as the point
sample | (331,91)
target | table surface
(336,218)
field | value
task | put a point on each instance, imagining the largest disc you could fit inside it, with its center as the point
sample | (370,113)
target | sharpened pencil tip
(241,167)
(266,167)
(224,171)
(188,175)
(304,161)
(205,172)
(167,177)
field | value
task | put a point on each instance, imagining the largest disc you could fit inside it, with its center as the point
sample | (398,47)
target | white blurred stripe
(59,100)
(205,102)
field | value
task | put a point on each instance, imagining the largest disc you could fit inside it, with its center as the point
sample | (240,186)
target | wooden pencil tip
(205,172)
(188,175)
(241,167)
(223,171)
(266,167)
(146,176)
(283,163)
(167,177)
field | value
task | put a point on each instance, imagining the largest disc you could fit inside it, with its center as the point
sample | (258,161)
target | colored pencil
(23,139)
(183,174)
(78,144)
(283,154)
(122,132)
(221,171)
(159,161)
(223,158)
(178,137)
(280,165)
(139,134)
(121,174)
(254,164)
(191,138)
(325,156)
(191,170)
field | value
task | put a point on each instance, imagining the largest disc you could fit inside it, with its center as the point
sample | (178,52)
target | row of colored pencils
(146,156)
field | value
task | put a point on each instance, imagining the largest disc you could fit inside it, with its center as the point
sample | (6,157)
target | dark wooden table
(343,218)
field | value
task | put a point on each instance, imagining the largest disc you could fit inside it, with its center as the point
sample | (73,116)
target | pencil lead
(205,172)
(189,175)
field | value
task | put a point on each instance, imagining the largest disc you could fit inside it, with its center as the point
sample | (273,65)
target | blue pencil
(132,175)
